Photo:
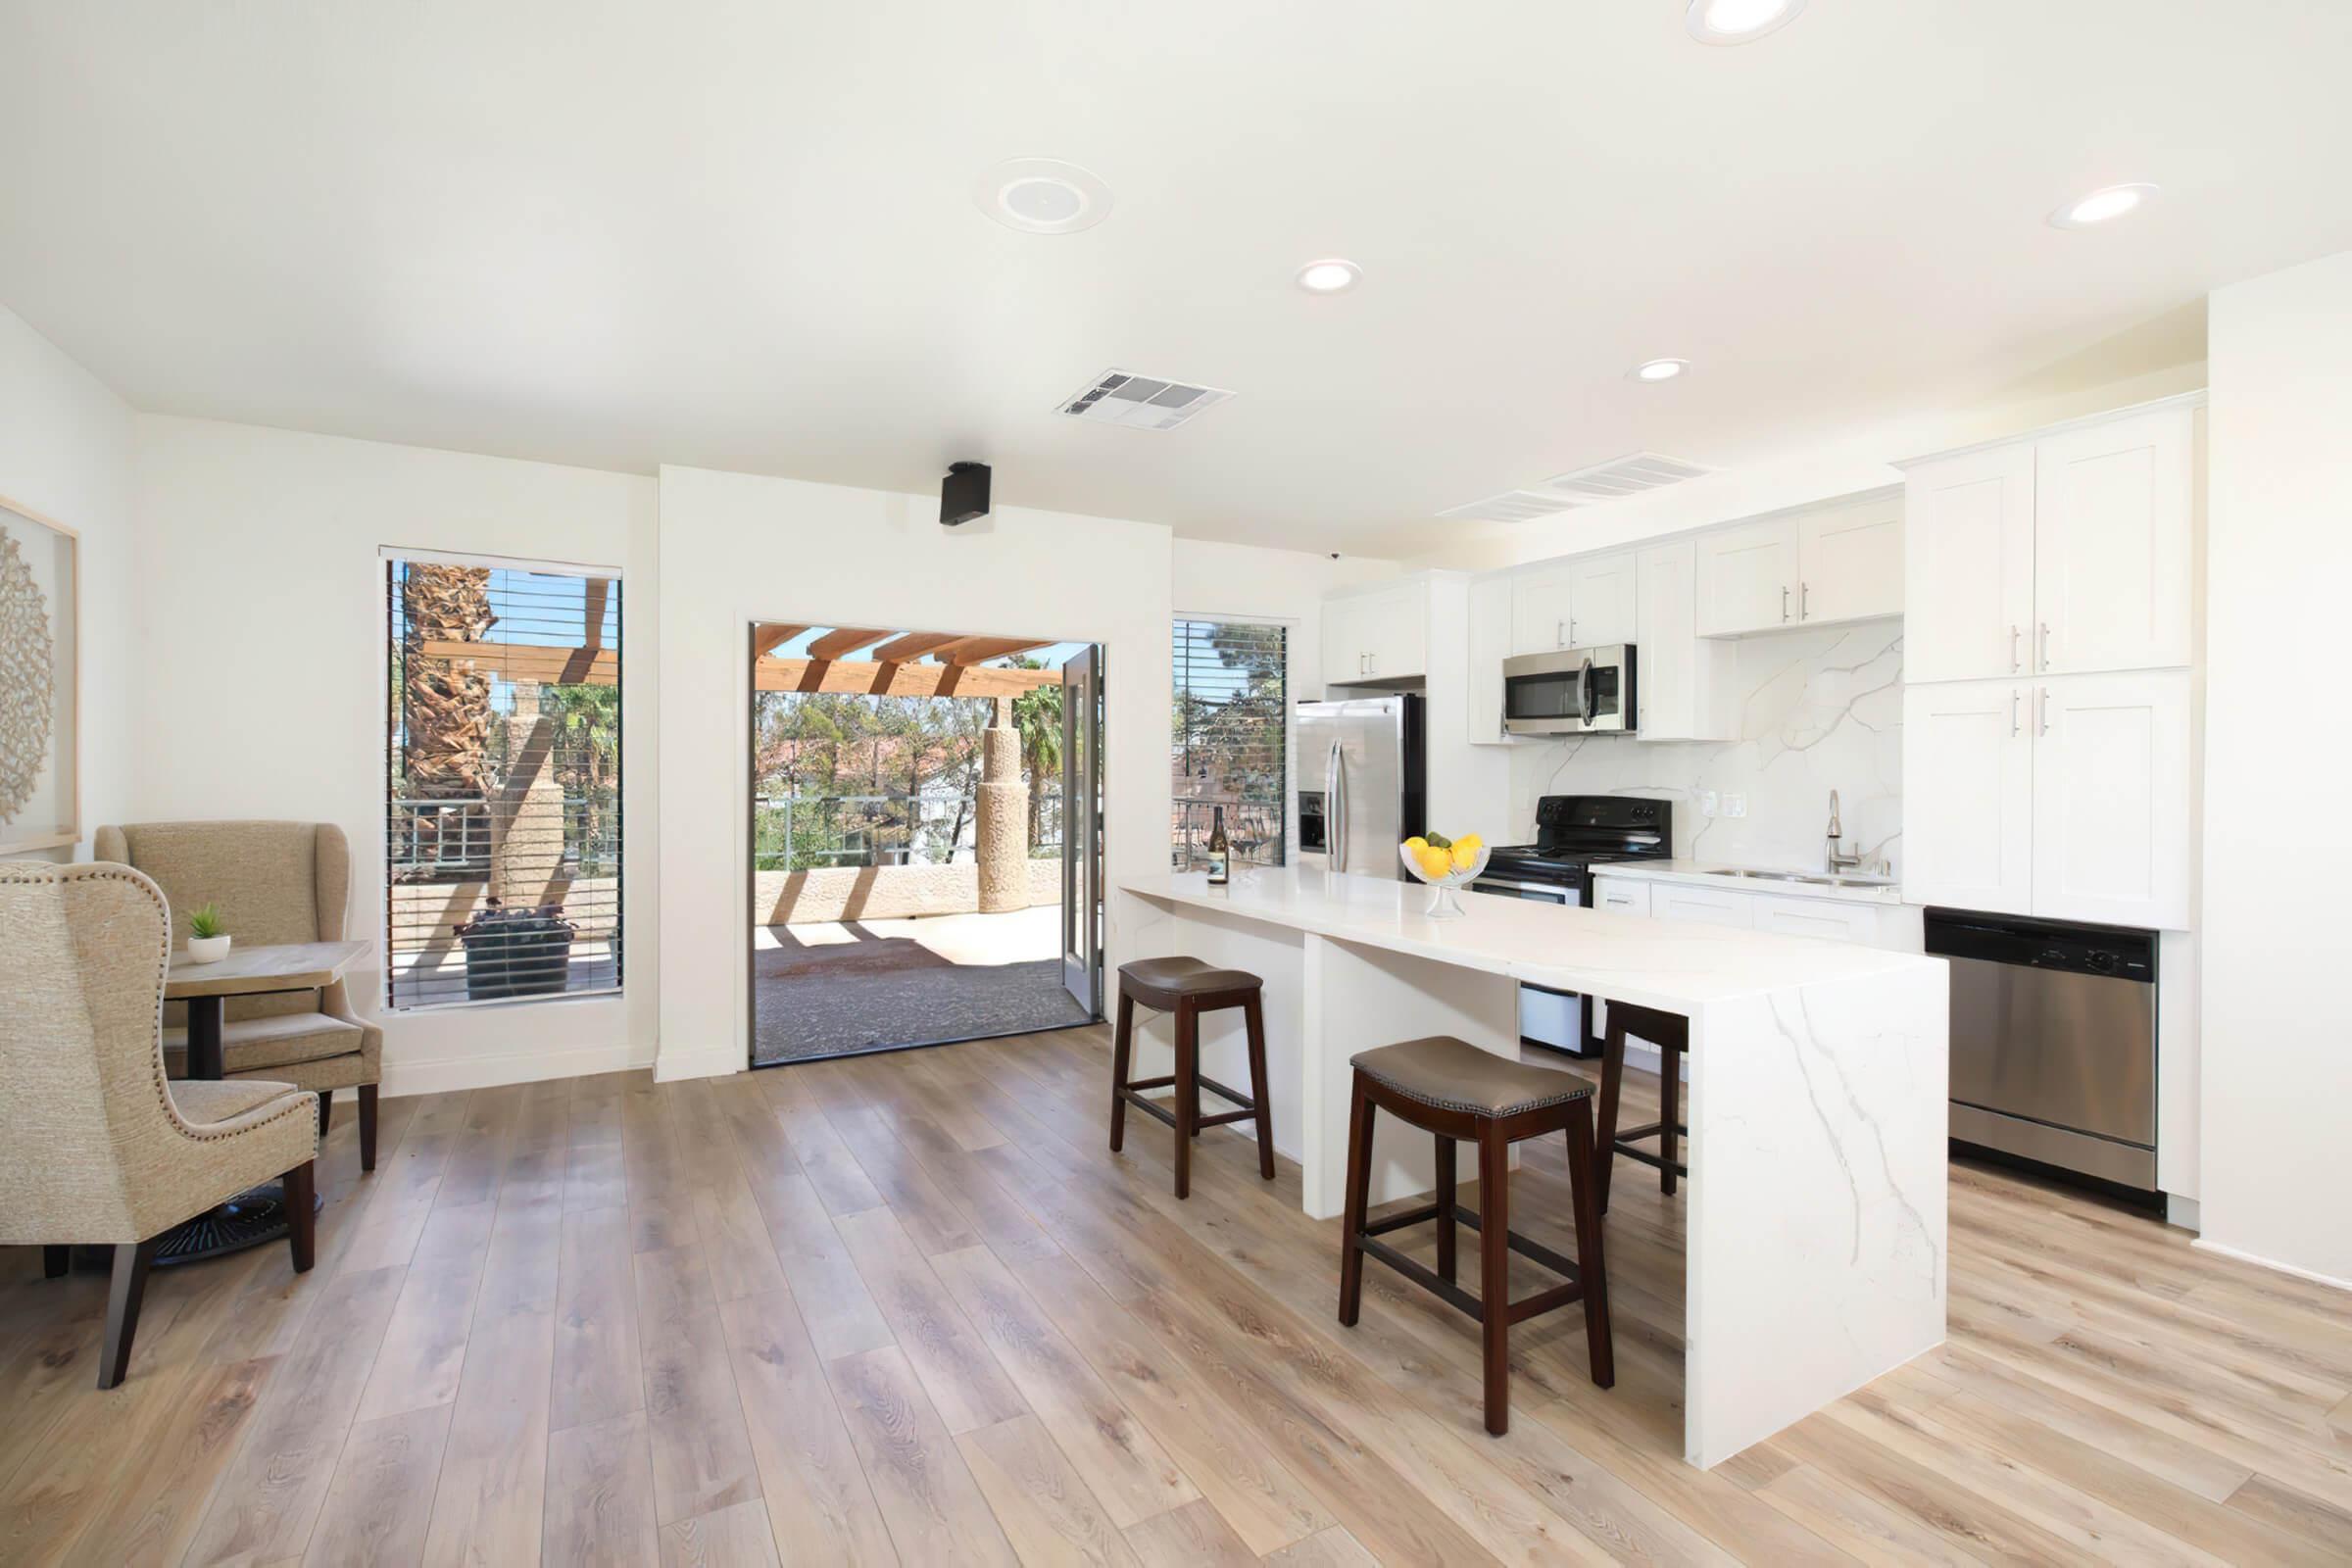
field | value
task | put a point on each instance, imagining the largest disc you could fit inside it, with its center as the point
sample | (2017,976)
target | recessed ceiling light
(2100,206)
(1329,276)
(1737,20)
(1042,196)
(1657,370)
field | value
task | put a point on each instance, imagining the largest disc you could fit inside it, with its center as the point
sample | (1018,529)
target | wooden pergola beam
(913,645)
(978,649)
(845,640)
(871,679)
(767,639)
(521,662)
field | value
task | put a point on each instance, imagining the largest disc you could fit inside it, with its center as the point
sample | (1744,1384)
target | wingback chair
(274,882)
(96,1145)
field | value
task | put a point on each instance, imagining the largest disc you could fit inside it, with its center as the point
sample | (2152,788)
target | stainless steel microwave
(1578,691)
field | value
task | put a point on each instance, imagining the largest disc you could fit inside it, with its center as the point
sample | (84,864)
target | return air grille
(1140,401)
(1623,477)
(1512,506)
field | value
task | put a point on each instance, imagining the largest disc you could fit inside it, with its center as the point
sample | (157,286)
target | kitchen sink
(1810,878)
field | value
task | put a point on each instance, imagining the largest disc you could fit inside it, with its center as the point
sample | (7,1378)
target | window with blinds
(1229,749)
(503,818)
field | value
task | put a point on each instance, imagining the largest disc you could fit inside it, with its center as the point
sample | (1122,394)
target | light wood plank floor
(909,1309)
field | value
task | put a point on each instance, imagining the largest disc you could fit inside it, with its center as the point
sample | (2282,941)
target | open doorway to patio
(912,806)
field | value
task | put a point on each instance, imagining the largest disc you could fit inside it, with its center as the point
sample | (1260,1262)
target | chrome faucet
(1840,860)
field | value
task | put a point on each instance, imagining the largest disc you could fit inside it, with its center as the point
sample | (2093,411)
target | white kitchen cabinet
(1967,602)
(1586,602)
(2111,807)
(2064,798)
(1543,600)
(2112,545)
(1968,796)
(1817,917)
(1684,683)
(1489,635)
(1377,636)
(1676,900)
(1621,895)
(1748,578)
(1850,561)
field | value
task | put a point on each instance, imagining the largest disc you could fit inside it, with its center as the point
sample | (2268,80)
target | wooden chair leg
(366,1126)
(1592,1270)
(1255,1016)
(132,1259)
(1359,1185)
(1445,1201)
(327,1111)
(1604,1138)
(1494,1272)
(301,1215)
(1187,1092)
(55,1261)
(1670,1093)
(1122,1051)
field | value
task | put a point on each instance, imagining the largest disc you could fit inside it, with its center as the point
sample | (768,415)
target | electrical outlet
(1706,803)
(1735,805)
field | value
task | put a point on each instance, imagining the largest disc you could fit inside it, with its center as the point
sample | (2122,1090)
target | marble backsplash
(1818,710)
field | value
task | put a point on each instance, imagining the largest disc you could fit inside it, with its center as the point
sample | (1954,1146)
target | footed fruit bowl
(1442,905)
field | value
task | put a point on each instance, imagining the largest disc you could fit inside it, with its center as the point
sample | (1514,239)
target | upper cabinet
(2066,554)
(1588,602)
(1835,564)
(1490,644)
(1682,681)
(1377,636)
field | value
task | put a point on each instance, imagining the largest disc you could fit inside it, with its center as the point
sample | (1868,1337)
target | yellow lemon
(1468,841)
(1416,843)
(1465,855)
(1434,862)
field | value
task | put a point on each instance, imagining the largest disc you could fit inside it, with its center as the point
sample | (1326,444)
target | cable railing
(815,832)
(1253,831)
(453,836)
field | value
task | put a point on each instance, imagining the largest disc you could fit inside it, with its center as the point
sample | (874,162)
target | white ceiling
(741,235)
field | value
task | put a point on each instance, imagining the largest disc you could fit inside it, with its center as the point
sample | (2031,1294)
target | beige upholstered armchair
(274,882)
(96,1147)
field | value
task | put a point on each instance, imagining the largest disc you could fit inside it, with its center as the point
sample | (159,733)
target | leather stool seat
(1172,978)
(1455,1075)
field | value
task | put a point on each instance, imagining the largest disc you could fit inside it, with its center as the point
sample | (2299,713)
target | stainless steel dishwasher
(2053,1040)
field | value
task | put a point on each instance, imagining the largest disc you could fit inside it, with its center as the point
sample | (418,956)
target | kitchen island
(1815,1229)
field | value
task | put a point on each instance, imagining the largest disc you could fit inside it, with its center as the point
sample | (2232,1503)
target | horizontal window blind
(1229,748)
(503,791)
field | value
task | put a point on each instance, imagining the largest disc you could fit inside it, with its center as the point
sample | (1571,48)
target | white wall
(2278,1022)
(66,454)
(740,548)
(263,672)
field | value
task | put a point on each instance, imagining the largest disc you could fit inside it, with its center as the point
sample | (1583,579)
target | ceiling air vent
(1140,401)
(1622,476)
(1512,506)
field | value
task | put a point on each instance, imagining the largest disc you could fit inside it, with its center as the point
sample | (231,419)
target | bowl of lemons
(1444,865)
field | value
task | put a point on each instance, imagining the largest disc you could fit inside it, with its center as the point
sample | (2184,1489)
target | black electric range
(1575,835)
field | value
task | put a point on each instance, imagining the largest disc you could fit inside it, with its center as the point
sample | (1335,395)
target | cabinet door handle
(1804,600)
(1784,600)
(2014,634)
(1559,634)
(2045,648)
(2046,711)
(2013,694)
(1572,632)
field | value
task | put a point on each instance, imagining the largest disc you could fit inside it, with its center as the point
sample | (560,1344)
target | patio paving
(830,989)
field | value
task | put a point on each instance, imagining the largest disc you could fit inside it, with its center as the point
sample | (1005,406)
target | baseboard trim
(445,1074)
(2311,1274)
(670,1066)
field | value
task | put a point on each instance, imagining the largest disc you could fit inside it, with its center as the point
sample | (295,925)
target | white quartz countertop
(1671,966)
(1744,879)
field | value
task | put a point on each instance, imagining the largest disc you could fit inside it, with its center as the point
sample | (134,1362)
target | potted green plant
(517,952)
(207,942)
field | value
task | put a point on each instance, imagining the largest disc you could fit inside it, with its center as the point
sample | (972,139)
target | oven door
(1538,892)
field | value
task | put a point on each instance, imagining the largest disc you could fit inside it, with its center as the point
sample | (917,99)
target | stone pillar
(526,819)
(1002,837)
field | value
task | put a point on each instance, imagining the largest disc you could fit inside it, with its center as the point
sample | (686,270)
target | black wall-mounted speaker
(963,493)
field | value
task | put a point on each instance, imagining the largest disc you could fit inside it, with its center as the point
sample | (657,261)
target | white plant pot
(207,949)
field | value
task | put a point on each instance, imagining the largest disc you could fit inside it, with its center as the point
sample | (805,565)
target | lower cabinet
(1621,896)
(1817,917)
(2066,797)
(1678,901)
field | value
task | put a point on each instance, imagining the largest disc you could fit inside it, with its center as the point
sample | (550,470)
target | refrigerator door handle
(1335,796)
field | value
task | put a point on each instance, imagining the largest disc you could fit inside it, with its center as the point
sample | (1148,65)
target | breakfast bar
(1816,1101)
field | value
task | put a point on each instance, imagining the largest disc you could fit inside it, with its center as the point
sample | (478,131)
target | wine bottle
(1220,857)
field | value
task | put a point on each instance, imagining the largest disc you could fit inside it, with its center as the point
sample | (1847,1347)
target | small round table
(258,1214)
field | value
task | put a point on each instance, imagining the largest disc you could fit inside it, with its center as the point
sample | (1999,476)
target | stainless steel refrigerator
(1362,788)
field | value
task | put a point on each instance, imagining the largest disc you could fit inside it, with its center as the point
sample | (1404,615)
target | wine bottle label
(1217,871)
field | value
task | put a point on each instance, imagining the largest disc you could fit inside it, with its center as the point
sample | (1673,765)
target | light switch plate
(1735,805)
(1706,803)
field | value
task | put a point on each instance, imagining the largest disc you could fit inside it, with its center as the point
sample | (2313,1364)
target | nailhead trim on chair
(1578,1089)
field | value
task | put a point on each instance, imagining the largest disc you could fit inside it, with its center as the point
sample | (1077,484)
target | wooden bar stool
(1455,1091)
(1188,988)
(1671,1034)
